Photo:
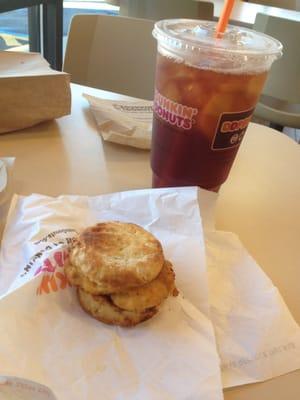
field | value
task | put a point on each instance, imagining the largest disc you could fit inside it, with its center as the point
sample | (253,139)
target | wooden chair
(164,9)
(287,4)
(112,53)
(280,100)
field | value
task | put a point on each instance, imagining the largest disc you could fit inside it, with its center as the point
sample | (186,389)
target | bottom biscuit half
(102,308)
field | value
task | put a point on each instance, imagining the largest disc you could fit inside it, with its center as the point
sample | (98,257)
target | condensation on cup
(206,90)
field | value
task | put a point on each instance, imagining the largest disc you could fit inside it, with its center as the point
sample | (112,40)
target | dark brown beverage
(200,118)
(201,113)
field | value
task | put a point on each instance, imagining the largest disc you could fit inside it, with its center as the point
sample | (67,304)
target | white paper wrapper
(257,338)
(173,355)
(14,388)
(3,176)
(6,187)
(123,122)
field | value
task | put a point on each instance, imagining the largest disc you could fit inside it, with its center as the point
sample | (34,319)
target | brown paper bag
(30,91)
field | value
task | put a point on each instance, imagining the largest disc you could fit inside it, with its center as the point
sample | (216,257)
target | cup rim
(171,38)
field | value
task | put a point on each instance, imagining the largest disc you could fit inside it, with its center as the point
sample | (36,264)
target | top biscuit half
(116,256)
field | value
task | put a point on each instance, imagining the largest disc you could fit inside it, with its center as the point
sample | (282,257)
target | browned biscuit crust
(151,294)
(114,256)
(101,308)
(76,278)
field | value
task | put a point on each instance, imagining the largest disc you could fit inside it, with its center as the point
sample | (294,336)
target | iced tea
(200,118)
(205,93)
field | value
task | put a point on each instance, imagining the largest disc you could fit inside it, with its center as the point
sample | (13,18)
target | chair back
(112,53)
(287,4)
(164,9)
(284,78)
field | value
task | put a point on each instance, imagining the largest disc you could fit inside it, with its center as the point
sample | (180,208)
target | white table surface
(260,201)
(244,13)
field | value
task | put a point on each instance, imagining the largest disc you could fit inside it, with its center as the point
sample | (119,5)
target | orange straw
(224,18)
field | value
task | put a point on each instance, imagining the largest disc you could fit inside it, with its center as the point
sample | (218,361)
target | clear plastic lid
(186,38)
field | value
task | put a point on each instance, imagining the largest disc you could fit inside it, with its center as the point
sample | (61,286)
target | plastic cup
(206,89)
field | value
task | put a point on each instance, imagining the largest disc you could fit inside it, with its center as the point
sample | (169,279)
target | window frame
(45,25)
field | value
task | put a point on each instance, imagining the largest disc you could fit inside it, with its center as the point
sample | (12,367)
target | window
(14,30)
(44,25)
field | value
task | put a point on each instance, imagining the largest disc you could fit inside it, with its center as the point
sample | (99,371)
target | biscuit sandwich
(120,273)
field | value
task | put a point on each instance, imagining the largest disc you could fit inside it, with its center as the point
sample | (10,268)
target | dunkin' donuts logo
(49,260)
(53,278)
(174,113)
(235,125)
(231,129)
